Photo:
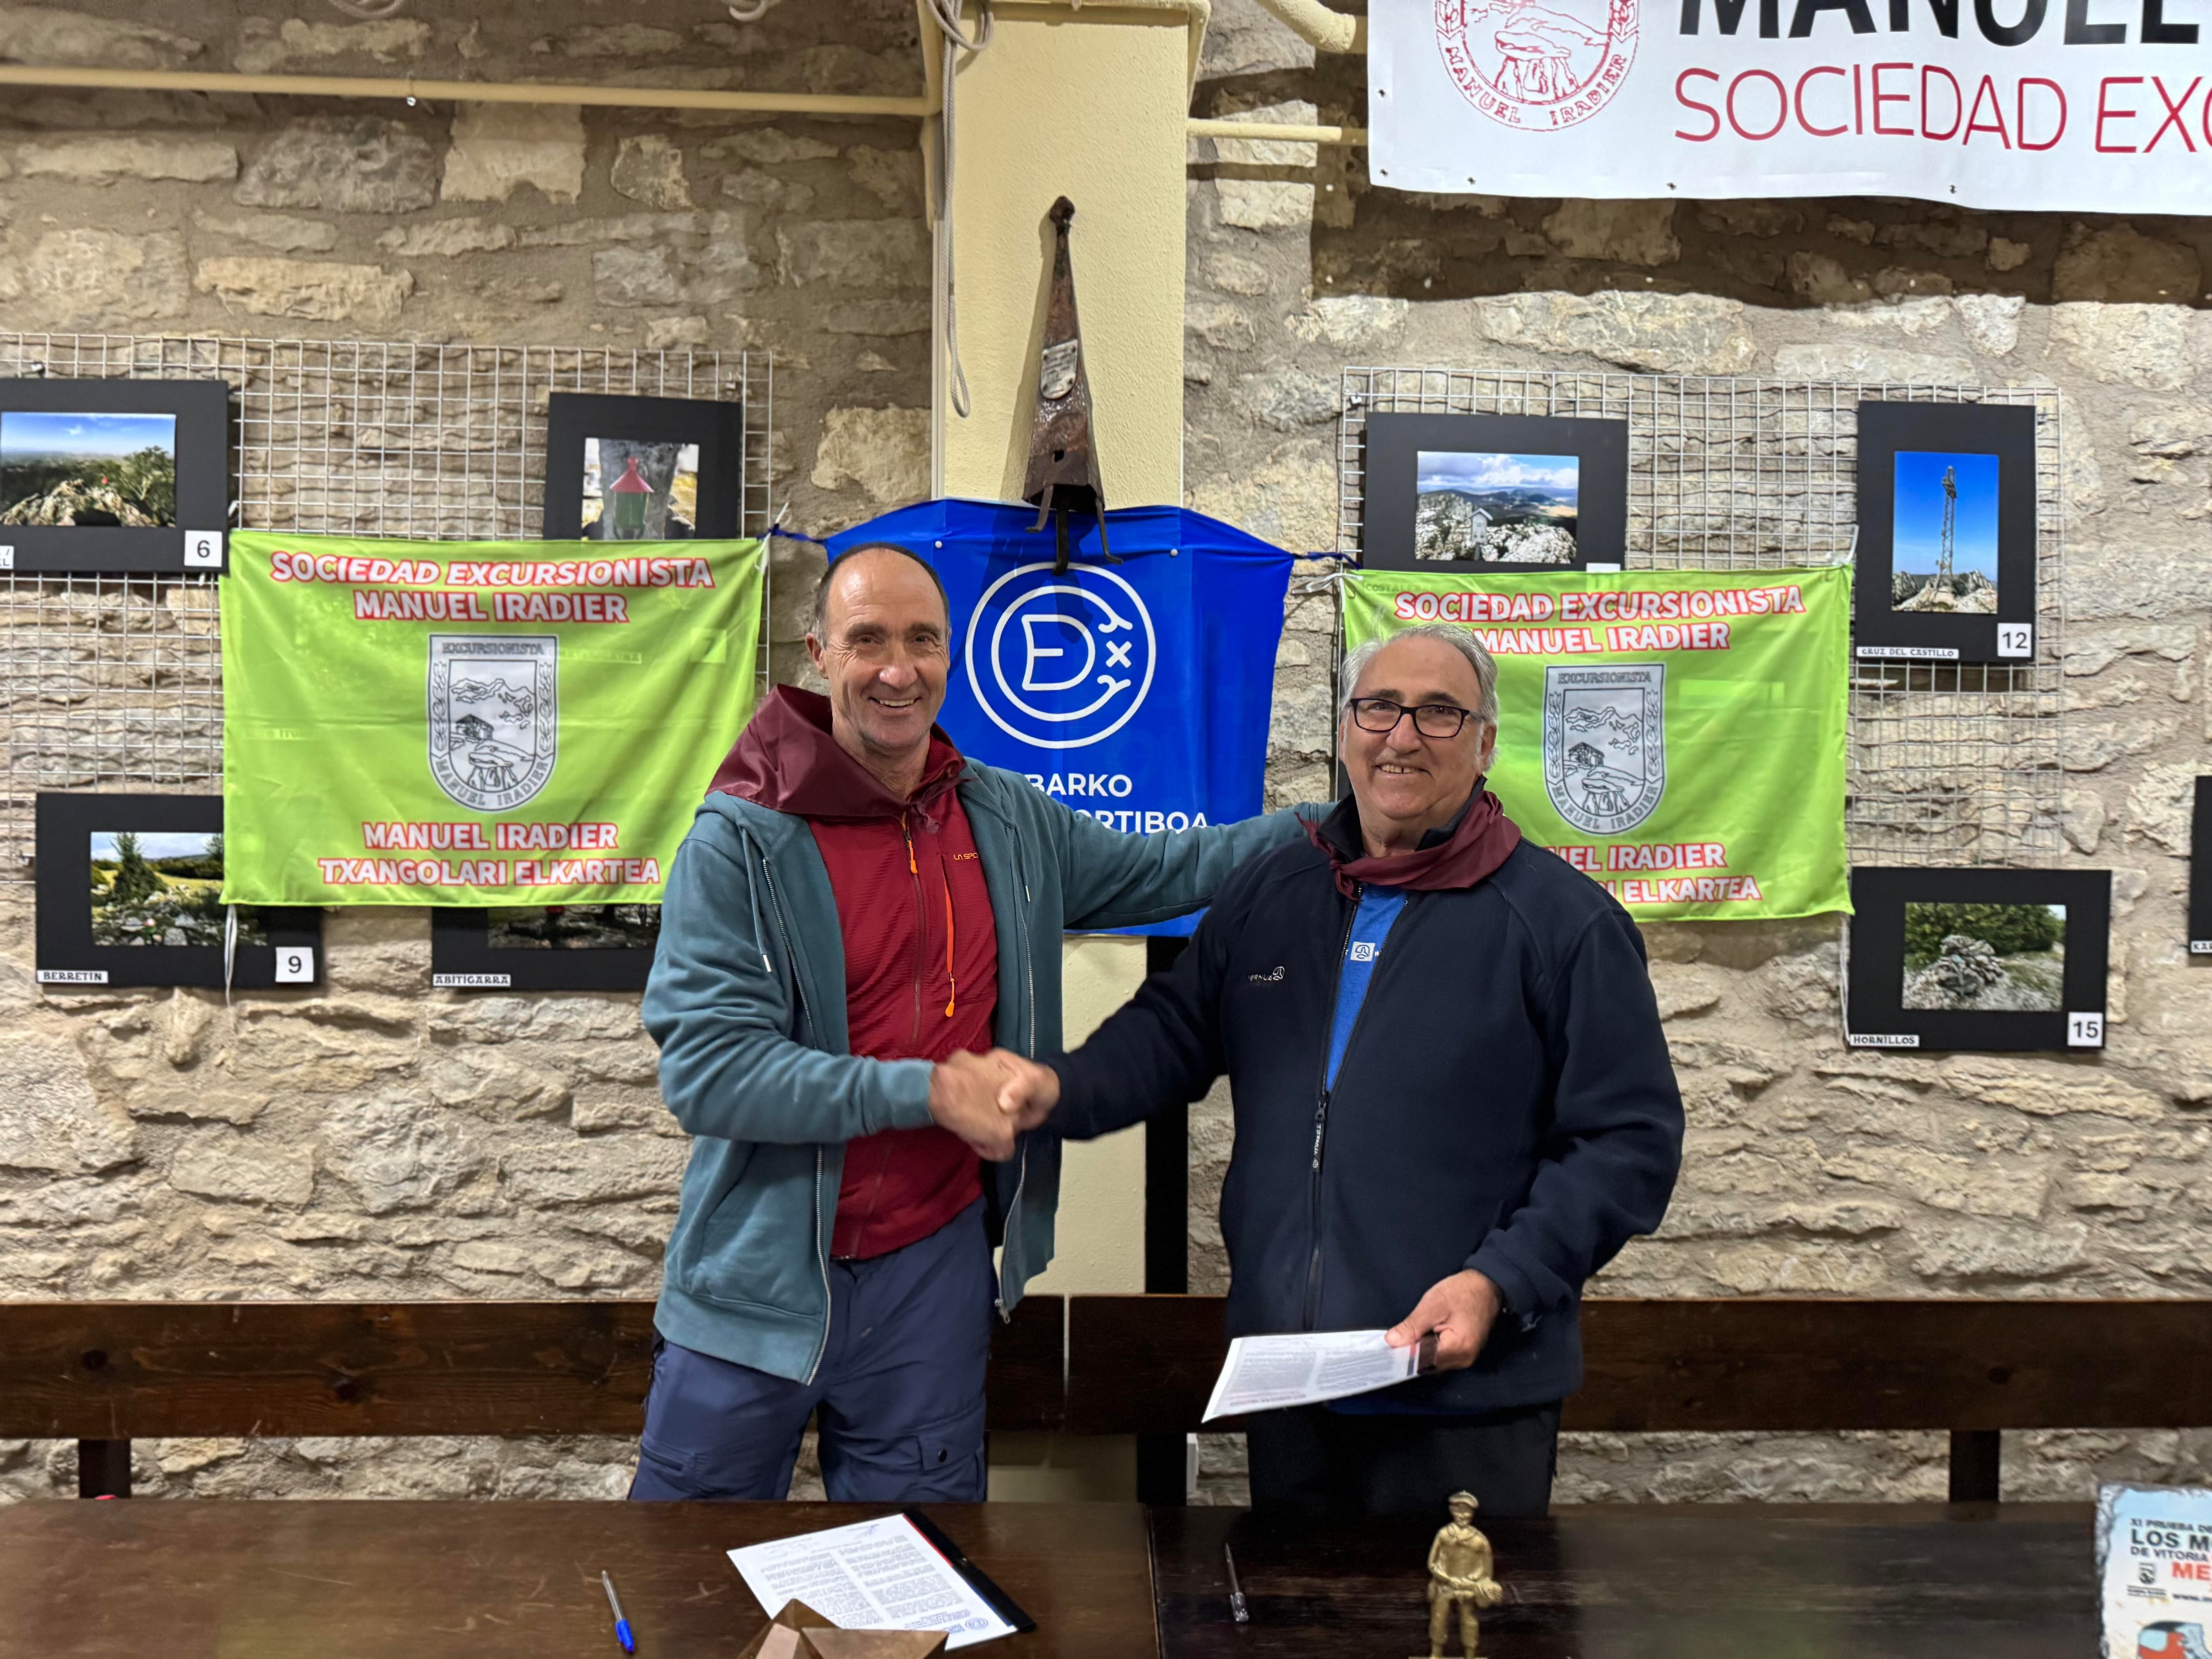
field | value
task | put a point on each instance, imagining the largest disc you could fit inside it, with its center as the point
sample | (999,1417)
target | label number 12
(2016,639)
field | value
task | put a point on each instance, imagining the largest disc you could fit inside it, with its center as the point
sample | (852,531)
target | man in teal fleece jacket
(792,938)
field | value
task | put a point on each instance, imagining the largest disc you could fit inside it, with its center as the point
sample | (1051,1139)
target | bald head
(850,567)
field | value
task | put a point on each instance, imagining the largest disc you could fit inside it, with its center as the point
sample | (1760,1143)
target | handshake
(988,1099)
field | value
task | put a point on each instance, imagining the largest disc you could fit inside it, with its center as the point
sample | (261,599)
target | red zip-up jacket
(922,950)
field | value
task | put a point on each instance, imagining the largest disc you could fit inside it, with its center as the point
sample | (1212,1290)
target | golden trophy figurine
(1459,1576)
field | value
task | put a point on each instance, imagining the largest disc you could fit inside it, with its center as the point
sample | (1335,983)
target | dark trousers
(900,1390)
(1314,1461)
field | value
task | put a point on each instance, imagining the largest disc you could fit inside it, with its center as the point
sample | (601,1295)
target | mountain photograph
(90,470)
(1945,510)
(1488,508)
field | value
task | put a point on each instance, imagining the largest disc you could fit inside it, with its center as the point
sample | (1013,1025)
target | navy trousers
(900,1390)
(1312,1460)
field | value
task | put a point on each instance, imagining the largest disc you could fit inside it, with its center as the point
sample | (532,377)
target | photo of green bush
(574,927)
(162,889)
(1985,956)
(87,470)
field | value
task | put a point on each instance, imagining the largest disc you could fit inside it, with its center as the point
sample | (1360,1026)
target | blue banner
(1138,692)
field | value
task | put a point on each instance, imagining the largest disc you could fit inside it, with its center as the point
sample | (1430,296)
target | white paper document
(1264,1373)
(873,1575)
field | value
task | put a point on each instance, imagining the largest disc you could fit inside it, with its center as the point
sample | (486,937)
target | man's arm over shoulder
(1615,1145)
(1110,879)
(1162,1046)
(721,1005)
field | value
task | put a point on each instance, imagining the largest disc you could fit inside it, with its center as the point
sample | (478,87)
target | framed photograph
(128,894)
(1495,493)
(543,947)
(642,469)
(2200,872)
(1947,533)
(113,474)
(1977,959)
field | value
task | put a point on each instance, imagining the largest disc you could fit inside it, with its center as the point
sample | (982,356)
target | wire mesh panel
(1948,763)
(117,681)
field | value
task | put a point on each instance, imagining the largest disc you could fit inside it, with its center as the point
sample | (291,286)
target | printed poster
(2155,1567)
(1676,735)
(474,723)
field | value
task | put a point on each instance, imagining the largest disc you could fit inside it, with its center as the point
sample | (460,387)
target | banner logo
(1061,662)
(493,714)
(1605,744)
(1531,64)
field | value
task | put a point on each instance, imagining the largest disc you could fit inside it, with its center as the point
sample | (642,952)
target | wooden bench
(105,1373)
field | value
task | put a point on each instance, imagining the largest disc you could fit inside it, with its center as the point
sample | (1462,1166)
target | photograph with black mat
(1947,533)
(1977,959)
(543,947)
(130,893)
(642,469)
(2200,872)
(1498,493)
(113,474)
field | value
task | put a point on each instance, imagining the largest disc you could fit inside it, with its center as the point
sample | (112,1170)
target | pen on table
(622,1625)
(1236,1607)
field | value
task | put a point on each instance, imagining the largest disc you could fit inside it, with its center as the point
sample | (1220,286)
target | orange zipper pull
(951,986)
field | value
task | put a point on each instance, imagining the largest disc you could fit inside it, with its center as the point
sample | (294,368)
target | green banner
(1677,735)
(474,723)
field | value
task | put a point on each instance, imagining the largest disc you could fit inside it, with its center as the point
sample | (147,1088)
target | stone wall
(376,1140)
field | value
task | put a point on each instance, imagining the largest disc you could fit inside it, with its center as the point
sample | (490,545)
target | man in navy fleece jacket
(1453,1099)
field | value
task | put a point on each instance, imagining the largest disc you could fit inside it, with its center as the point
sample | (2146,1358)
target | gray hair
(1459,639)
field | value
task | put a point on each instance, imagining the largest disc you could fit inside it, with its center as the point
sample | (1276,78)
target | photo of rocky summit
(1943,546)
(1985,956)
(1495,508)
(87,470)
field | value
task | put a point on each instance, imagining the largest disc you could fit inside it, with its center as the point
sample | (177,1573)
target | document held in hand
(1265,1373)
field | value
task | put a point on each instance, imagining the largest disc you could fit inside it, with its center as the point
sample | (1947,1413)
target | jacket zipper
(1312,1309)
(1029,1044)
(920,927)
(821,1252)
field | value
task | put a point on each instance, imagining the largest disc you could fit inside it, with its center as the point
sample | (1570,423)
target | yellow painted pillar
(1088,103)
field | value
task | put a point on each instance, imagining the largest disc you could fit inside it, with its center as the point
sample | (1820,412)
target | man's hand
(964,1098)
(1461,1310)
(1028,1090)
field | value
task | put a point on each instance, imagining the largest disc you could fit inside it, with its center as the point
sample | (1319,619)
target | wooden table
(1782,1580)
(278,1580)
(275,1580)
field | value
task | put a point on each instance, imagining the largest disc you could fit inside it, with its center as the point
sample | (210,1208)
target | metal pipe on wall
(473,92)
(1320,28)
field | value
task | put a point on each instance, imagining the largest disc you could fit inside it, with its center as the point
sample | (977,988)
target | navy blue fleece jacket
(1505,1103)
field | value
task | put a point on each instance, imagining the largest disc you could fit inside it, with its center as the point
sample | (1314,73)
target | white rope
(947,14)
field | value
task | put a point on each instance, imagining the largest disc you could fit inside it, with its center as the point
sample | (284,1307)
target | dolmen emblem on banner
(1605,744)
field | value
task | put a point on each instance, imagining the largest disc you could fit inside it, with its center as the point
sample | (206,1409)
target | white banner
(2096,105)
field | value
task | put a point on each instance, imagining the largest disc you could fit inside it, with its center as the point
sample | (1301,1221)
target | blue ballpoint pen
(622,1625)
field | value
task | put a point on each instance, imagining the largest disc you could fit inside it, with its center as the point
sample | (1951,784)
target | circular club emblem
(1059,662)
(1537,64)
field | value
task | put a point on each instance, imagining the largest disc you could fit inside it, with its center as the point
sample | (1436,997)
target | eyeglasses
(1430,719)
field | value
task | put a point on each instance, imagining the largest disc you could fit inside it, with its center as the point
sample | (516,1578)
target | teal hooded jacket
(747,1002)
